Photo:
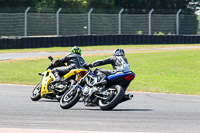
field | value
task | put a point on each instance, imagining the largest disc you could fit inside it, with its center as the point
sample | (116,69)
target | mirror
(39,73)
(50,58)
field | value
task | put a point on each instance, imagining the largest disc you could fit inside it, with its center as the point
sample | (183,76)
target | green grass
(91,48)
(165,72)
(168,72)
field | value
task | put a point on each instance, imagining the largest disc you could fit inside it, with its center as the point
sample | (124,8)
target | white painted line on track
(17,85)
(20,130)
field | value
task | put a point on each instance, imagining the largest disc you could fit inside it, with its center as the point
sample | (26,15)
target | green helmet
(76,50)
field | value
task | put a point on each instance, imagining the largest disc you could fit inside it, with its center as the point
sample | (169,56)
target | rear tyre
(116,94)
(69,99)
(36,93)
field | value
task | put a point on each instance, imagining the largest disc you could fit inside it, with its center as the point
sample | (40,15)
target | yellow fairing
(73,72)
(48,77)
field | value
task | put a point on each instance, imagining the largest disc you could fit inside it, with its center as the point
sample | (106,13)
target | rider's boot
(100,86)
(103,82)
(57,78)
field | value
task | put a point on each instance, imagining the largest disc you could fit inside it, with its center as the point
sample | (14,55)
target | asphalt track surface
(8,56)
(146,112)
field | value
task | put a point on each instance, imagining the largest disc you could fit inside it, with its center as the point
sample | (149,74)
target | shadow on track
(132,110)
(48,100)
(115,109)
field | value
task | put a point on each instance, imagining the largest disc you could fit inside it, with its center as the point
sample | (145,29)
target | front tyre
(69,98)
(70,84)
(115,95)
(36,94)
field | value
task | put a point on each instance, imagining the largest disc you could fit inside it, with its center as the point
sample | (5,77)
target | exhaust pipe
(127,97)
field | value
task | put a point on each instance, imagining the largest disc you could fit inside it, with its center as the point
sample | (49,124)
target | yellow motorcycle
(49,90)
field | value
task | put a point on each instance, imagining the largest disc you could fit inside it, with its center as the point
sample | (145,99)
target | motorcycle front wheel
(115,95)
(36,93)
(69,99)
(70,84)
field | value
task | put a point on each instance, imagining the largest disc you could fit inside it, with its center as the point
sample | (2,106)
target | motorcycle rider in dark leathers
(119,63)
(74,60)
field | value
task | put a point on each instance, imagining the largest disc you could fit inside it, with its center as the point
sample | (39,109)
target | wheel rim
(69,96)
(110,97)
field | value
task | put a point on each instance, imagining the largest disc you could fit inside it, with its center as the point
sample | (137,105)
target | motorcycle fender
(73,72)
(47,78)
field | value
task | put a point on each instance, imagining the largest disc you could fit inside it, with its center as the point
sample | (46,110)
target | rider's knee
(54,70)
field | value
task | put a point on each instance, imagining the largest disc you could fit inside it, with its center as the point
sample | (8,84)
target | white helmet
(119,52)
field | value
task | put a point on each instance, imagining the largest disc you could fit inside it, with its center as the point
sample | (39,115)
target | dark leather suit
(73,61)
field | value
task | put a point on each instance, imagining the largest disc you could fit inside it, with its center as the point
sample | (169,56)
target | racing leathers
(73,61)
(119,64)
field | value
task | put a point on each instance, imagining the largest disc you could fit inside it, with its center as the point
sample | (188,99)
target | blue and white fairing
(123,78)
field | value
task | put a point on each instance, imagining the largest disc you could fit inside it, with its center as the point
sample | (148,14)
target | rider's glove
(90,65)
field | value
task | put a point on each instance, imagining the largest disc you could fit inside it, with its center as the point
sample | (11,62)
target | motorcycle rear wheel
(36,93)
(114,100)
(68,99)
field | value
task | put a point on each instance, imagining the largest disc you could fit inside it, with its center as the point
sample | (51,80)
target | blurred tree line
(110,4)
